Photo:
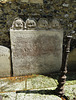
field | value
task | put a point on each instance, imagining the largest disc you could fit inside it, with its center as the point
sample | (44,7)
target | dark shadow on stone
(46,92)
(70,75)
(43,92)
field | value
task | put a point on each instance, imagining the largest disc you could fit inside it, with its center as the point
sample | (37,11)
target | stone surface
(36,1)
(25,1)
(31,1)
(5,65)
(43,23)
(41,82)
(36,97)
(55,24)
(36,51)
(72,60)
(22,1)
(23,96)
(70,91)
(12,84)
(30,23)
(8,96)
(36,94)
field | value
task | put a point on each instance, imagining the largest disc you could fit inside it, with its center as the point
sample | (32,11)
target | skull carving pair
(19,24)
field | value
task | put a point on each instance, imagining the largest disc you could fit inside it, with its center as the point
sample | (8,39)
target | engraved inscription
(36,51)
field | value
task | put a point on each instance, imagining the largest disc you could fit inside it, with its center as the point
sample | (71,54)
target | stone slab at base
(9,86)
(23,83)
(23,96)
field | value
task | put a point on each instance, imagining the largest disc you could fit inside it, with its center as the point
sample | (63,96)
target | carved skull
(43,23)
(30,23)
(17,24)
(55,24)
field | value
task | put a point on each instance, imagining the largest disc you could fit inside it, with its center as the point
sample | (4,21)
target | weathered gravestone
(5,65)
(37,47)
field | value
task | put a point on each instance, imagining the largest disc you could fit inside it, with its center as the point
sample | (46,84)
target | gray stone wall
(64,11)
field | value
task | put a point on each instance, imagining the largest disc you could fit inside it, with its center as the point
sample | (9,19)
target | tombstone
(5,65)
(36,49)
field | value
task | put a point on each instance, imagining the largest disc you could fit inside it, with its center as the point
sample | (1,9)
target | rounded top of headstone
(4,50)
(18,24)
(30,23)
(43,23)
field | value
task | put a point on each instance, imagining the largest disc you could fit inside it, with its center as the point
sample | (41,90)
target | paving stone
(23,96)
(41,82)
(70,91)
(12,84)
(8,96)
(35,94)
(37,97)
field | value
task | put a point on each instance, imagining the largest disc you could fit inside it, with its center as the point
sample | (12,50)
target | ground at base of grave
(36,87)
